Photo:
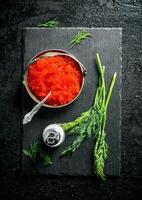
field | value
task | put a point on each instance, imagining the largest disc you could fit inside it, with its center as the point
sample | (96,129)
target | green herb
(92,123)
(78,38)
(101,147)
(36,151)
(70,125)
(50,24)
(86,125)
(74,145)
(46,159)
(32,151)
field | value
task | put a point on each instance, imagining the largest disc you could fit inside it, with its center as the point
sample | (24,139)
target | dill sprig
(92,123)
(86,125)
(36,151)
(78,38)
(77,142)
(100,153)
(50,24)
(78,120)
(32,151)
(46,159)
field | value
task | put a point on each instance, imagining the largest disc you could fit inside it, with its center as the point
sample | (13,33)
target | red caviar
(59,74)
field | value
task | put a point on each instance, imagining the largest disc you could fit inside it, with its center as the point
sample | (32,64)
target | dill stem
(108,99)
(98,61)
(103,87)
(101,71)
(110,90)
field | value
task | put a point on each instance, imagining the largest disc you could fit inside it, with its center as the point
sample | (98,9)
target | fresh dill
(32,151)
(36,151)
(92,123)
(50,24)
(45,157)
(78,38)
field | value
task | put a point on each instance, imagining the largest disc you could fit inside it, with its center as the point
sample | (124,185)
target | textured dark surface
(100,13)
(107,43)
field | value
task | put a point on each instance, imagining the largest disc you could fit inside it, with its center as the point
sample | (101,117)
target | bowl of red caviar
(56,71)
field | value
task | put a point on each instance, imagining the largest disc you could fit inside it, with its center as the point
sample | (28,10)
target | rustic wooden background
(16,14)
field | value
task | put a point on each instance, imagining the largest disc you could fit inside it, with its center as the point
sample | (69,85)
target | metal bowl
(53,52)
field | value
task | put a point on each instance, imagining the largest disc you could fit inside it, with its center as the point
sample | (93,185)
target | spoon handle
(28,117)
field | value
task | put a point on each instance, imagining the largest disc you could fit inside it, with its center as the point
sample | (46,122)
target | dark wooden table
(100,13)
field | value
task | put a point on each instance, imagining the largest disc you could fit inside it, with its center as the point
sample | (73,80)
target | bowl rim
(25,81)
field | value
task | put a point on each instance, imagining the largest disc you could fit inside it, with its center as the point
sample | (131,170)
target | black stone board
(107,42)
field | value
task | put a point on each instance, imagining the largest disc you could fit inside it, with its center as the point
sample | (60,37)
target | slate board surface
(107,43)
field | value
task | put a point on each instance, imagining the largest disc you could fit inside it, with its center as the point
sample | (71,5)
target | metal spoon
(28,117)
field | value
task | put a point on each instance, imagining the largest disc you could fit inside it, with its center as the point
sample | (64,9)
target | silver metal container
(53,135)
(53,52)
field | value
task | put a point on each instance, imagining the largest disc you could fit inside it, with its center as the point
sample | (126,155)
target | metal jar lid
(53,135)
